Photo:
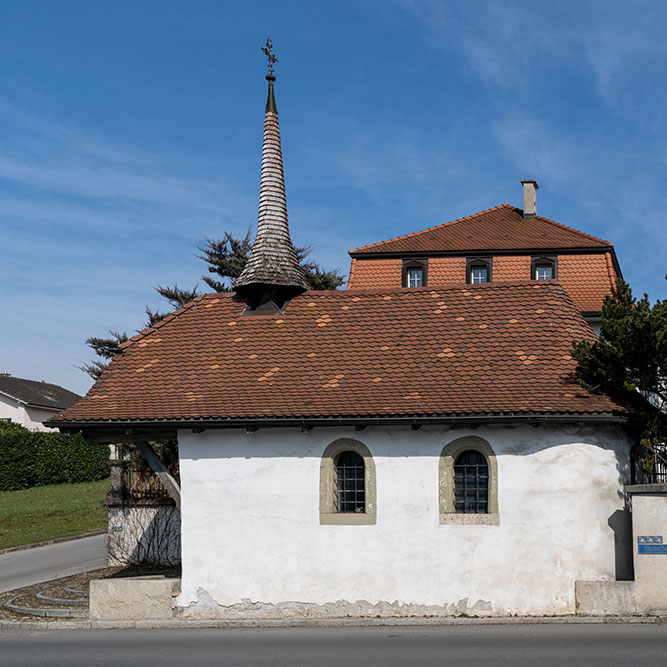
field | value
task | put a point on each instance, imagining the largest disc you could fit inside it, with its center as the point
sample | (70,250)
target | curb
(58,540)
(331,622)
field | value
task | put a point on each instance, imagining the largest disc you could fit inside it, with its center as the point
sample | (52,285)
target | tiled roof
(499,228)
(469,350)
(38,394)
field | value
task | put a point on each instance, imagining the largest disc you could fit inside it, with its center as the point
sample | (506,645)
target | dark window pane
(415,277)
(478,274)
(471,483)
(544,272)
(350,486)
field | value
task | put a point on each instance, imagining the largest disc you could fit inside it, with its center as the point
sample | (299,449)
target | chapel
(412,445)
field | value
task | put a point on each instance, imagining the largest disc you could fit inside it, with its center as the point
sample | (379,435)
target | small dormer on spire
(272,275)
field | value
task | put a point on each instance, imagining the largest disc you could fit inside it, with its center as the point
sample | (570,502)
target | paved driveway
(33,566)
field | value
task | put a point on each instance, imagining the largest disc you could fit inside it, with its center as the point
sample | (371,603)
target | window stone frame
(446,507)
(328,514)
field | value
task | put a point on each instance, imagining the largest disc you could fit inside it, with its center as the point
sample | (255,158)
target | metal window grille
(350,484)
(471,483)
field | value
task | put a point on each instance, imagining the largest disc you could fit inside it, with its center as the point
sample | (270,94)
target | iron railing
(649,465)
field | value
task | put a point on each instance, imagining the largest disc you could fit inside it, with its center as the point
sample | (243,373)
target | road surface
(33,566)
(506,645)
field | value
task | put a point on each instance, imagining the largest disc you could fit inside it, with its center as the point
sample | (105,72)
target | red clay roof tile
(499,348)
(499,228)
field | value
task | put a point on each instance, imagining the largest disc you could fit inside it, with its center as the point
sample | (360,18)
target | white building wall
(250,521)
(30,417)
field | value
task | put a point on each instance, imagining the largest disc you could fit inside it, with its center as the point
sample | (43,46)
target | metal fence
(649,465)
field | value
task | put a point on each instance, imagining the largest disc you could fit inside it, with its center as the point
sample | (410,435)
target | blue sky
(131,130)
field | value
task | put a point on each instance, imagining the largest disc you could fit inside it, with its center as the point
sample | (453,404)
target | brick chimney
(529,198)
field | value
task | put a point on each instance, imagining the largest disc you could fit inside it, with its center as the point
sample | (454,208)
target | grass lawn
(49,512)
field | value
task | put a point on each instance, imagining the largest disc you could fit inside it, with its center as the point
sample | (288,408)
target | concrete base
(605,598)
(133,599)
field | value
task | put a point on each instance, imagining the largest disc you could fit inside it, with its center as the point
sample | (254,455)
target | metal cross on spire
(266,50)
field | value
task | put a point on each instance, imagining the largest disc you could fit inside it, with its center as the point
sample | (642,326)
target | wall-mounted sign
(116,529)
(651,544)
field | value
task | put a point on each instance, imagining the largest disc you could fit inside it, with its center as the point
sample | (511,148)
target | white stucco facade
(26,415)
(251,529)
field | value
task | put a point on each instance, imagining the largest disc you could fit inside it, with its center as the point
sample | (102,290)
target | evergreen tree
(225,259)
(629,360)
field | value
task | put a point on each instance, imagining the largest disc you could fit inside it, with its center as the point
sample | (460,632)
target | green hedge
(35,458)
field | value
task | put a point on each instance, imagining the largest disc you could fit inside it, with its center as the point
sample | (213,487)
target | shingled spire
(272,272)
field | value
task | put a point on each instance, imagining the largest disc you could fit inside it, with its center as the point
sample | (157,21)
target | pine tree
(227,258)
(629,360)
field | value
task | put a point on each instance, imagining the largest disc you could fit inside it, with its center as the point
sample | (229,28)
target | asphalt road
(514,645)
(33,566)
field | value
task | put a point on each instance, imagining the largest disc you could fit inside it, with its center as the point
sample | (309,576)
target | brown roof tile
(469,350)
(499,228)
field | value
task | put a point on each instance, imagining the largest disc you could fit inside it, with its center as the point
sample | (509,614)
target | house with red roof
(500,244)
(386,450)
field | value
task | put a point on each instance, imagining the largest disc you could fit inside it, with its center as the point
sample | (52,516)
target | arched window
(350,483)
(468,482)
(347,484)
(471,483)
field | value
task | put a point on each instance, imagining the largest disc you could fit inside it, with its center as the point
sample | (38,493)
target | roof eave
(117,430)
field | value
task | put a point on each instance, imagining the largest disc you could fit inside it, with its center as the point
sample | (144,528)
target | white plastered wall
(28,416)
(251,531)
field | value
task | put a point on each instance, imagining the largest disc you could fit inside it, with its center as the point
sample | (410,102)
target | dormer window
(478,270)
(414,272)
(543,268)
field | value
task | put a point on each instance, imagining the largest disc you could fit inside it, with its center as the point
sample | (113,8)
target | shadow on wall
(621,524)
(144,535)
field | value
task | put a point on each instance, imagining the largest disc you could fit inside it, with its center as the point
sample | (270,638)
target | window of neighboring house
(414,273)
(478,270)
(468,475)
(543,268)
(415,277)
(347,484)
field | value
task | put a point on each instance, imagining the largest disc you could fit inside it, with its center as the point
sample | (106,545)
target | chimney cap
(537,187)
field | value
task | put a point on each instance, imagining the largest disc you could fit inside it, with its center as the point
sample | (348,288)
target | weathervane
(266,50)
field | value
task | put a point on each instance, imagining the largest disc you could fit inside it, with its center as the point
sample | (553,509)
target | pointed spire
(273,266)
